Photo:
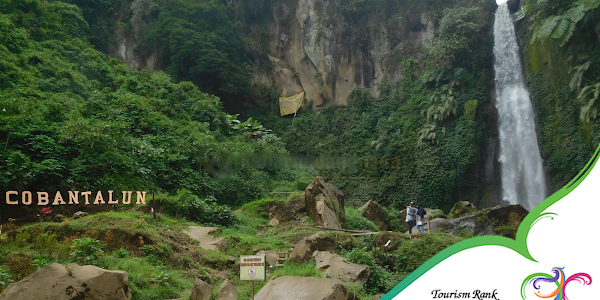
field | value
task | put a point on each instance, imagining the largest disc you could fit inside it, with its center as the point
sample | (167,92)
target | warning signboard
(253,267)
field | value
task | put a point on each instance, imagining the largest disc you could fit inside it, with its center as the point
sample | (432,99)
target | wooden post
(252,289)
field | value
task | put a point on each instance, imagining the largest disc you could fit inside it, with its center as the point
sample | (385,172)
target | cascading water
(521,164)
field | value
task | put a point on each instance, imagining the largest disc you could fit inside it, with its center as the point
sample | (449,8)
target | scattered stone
(295,288)
(231,260)
(201,290)
(325,204)
(58,282)
(374,212)
(207,241)
(274,222)
(59,218)
(227,291)
(79,214)
(305,248)
(271,256)
(339,268)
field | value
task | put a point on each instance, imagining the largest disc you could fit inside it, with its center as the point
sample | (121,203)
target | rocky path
(207,241)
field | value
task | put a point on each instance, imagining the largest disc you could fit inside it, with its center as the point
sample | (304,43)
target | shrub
(147,250)
(20,267)
(193,208)
(39,262)
(87,250)
(46,243)
(121,253)
(381,279)
(413,253)
(4,239)
(22,238)
(355,221)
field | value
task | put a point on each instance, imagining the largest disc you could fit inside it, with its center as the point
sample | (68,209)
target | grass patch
(354,221)
(146,280)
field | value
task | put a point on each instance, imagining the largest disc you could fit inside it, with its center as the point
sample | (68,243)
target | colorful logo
(559,279)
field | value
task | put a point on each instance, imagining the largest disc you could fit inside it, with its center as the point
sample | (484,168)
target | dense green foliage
(198,42)
(560,40)
(73,118)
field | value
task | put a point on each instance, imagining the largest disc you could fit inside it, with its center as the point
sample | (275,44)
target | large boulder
(227,291)
(286,210)
(498,220)
(207,241)
(506,219)
(325,204)
(57,282)
(201,290)
(340,268)
(374,212)
(307,246)
(508,215)
(471,225)
(304,288)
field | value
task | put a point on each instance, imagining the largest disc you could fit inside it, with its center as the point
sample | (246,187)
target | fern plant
(561,27)
(578,75)
(589,95)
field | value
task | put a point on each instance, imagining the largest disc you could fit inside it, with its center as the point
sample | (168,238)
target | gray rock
(325,204)
(340,268)
(227,291)
(374,212)
(307,246)
(201,290)
(79,214)
(58,282)
(271,256)
(304,288)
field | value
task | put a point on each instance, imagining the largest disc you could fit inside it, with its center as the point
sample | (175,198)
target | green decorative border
(519,245)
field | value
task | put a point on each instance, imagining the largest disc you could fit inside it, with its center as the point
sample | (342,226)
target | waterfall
(521,164)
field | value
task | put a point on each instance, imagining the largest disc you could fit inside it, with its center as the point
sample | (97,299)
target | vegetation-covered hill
(72,118)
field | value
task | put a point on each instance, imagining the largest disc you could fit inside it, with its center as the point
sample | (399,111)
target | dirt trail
(207,241)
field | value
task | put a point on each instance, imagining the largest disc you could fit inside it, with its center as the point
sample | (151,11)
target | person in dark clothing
(411,216)
(420,217)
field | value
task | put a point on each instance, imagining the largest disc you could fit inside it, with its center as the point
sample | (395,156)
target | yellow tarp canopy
(290,105)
